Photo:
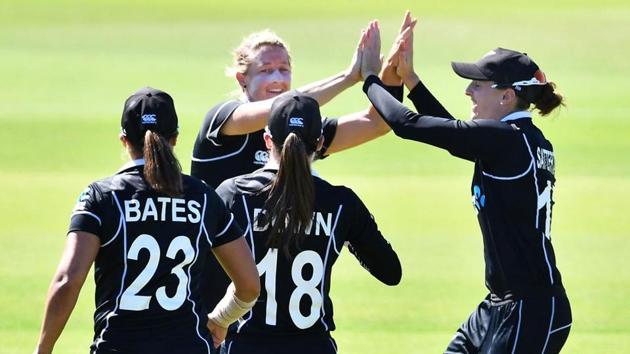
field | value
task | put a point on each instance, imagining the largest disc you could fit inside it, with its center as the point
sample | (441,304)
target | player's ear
(173,140)
(123,139)
(268,141)
(509,96)
(241,80)
(320,143)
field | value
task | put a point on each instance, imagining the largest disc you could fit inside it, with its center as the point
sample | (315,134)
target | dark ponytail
(289,206)
(544,98)
(162,170)
(548,99)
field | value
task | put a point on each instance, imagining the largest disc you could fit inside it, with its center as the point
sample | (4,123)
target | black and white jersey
(294,296)
(217,157)
(148,271)
(512,186)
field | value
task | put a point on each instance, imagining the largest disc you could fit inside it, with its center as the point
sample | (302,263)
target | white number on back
(304,287)
(130,300)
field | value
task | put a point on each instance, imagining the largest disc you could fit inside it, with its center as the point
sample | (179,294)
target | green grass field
(67,66)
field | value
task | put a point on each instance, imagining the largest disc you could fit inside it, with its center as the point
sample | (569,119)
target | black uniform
(527,310)
(148,272)
(294,312)
(217,157)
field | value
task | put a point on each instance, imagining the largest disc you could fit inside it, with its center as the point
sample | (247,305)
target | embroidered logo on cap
(149,119)
(296,122)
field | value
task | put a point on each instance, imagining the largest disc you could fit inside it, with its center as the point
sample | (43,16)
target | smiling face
(268,75)
(488,102)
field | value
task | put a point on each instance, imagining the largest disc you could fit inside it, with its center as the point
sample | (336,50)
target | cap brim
(468,71)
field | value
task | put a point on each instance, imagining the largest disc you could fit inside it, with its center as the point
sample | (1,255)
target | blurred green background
(66,68)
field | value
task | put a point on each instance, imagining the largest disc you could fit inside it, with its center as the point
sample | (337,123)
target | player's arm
(252,116)
(420,96)
(79,253)
(368,245)
(482,138)
(236,259)
(357,128)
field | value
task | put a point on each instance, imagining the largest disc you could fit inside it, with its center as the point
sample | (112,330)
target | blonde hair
(247,50)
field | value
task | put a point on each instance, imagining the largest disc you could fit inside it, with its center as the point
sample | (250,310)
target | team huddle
(237,257)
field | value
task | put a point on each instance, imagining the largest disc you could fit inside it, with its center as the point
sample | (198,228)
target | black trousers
(538,324)
(299,344)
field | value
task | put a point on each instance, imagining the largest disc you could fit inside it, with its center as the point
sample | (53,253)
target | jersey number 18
(304,287)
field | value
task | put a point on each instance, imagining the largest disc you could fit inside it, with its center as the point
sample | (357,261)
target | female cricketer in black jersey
(294,313)
(527,310)
(150,231)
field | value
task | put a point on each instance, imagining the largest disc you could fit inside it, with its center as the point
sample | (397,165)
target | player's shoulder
(247,184)
(222,109)
(338,191)
(102,189)
(194,185)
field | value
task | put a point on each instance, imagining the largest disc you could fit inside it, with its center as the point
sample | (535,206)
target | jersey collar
(132,163)
(517,115)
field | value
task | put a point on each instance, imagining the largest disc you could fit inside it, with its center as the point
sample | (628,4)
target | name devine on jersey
(163,209)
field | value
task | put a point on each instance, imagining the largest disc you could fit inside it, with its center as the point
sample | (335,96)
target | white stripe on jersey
(196,159)
(518,327)
(226,226)
(531,166)
(560,328)
(120,222)
(553,310)
(229,347)
(100,339)
(201,227)
(251,238)
(332,234)
(333,344)
(212,122)
(323,282)
(546,257)
(90,214)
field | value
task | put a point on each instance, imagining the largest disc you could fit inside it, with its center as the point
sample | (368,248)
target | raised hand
(354,70)
(371,60)
(389,73)
(405,68)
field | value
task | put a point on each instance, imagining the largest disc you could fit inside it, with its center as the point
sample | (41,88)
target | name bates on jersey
(163,209)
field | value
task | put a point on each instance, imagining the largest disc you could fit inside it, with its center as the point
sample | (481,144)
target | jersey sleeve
(227,229)
(88,213)
(329,129)
(426,103)
(216,118)
(483,139)
(369,246)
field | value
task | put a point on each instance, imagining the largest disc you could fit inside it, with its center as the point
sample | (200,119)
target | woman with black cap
(297,224)
(149,229)
(527,310)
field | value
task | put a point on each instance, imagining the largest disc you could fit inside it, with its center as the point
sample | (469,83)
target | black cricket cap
(148,109)
(505,67)
(295,113)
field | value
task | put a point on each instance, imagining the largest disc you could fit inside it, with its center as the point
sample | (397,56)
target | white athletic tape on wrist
(230,309)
